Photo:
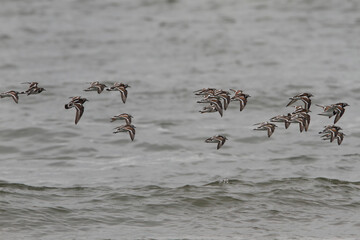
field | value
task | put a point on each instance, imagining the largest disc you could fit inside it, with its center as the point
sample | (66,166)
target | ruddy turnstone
(77,99)
(214,93)
(121,87)
(219,139)
(266,126)
(337,110)
(12,93)
(330,135)
(241,97)
(331,132)
(123,116)
(304,97)
(77,102)
(282,118)
(339,137)
(33,88)
(126,128)
(214,101)
(96,86)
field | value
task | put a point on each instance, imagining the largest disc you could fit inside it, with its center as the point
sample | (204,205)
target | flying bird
(96,86)
(122,88)
(77,102)
(123,116)
(126,128)
(219,139)
(266,126)
(304,97)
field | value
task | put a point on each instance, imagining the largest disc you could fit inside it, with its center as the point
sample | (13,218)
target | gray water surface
(59,180)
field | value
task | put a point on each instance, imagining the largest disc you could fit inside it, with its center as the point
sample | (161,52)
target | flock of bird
(213,98)
(218,101)
(33,89)
(78,102)
(300,116)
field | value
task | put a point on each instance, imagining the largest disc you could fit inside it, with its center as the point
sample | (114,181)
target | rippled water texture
(59,180)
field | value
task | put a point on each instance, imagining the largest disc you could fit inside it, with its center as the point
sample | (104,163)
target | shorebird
(266,126)
(77,102)
(214,101)
(339,137)
(123,116)
(121,87)
(126,128)
(241,97)
(337,110)
(304,97)
(96,86)
(33,88)
(331,132)
(219,139)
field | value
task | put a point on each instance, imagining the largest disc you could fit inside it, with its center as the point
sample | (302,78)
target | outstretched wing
(270,130)
(132,133)
(243,102)
(15,97)
(292,100)
(123,93)
(79,111)
(218,108)
(340,112)
(340,138)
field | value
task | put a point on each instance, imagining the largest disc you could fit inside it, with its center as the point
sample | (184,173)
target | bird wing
(243,102)
(220,143)
(79,112)
(132,133)
(123,93)
(292,100)
(301,126)
(270,130)
(127,120)
(340,138)
(340,112)
(15,97)
(217,107)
